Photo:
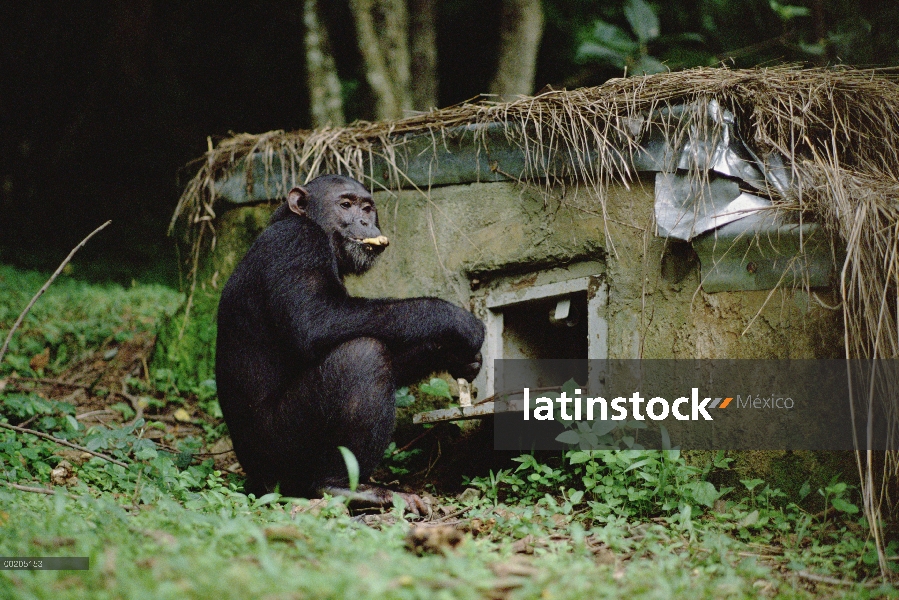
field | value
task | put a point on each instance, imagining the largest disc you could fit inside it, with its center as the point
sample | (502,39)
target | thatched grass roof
(838,128)
(794,111)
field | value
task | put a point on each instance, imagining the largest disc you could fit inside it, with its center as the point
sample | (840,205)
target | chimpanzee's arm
(321,318)
(314,305)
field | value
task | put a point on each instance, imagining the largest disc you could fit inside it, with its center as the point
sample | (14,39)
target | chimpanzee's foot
(372,495)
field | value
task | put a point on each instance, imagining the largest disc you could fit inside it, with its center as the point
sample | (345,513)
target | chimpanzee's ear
(298,200)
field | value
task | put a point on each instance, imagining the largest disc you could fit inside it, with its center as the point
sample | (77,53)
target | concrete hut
(703,214)
(672,223)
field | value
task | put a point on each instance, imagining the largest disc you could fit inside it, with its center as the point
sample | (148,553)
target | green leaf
(603,427)
(589,441)
(145,454)
(436,387)
(95,443)
(789,11)
(352,466)
(647,65)
(643,20)
(749,520)
(637,464)
(614,37)
(126,411)
(813,49)
(576,458)
(589,51)
(705,493)
(837,488)
(569,386)
(403,397)
(266,499)
(751,483)
(666,439)
(844,506)
(569,437)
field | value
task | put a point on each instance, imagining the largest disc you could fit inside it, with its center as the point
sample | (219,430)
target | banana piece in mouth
(381,240)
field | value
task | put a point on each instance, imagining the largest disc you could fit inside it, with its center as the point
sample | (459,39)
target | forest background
(103,104)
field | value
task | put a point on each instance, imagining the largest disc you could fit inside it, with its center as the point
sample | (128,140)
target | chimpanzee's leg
(355,395)
(346,400)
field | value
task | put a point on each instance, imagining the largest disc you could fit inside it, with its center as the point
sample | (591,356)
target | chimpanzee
(302,367)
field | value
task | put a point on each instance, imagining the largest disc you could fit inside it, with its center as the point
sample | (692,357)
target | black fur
(301,366)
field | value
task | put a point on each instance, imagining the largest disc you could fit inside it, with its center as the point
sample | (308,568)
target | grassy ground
(173,523)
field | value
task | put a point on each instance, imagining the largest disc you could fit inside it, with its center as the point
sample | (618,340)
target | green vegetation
(73,317)
(173,523)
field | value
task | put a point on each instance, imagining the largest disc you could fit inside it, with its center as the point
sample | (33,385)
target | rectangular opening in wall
(558,320)
(555,314)
(549,328)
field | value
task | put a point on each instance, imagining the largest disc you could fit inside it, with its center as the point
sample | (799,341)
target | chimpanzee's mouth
(380,241)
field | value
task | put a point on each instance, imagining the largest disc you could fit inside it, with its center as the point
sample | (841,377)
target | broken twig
(25,488)
(62,442)
(43,289)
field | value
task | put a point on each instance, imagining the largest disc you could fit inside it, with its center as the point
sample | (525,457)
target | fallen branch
(62,442)
(94,413)
(453,515)
(834,581)
(49,381)
(228,451)
(25,488)
(43,289)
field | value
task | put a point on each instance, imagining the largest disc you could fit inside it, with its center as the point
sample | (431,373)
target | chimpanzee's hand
(466,368)
(457,346)
(465,356)
(469,331)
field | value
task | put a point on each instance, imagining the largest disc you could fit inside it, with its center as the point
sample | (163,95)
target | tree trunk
(382,31)
(325,101)
(521,30)
(423,47)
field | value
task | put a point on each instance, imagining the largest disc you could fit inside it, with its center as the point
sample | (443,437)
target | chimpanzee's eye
(367,208)
(346,204)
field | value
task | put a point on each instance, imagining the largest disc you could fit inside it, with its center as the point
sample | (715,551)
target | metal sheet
(704,193)
(686,206)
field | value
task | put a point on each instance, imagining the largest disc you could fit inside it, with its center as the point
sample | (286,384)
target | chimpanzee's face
(352,219)
(346,211)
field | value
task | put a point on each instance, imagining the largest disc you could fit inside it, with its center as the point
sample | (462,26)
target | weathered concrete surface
(459,233)
(453,241)
(653,316)
(480,232)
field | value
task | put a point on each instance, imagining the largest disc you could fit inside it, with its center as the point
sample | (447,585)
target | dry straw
(839,129)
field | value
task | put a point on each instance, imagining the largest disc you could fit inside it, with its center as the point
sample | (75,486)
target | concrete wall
(466,240)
